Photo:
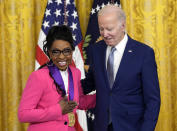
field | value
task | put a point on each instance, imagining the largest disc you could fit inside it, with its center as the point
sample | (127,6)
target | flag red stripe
(40,56)
(77,125)
(80,48)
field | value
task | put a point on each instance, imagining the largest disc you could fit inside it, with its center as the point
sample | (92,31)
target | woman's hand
(67,106)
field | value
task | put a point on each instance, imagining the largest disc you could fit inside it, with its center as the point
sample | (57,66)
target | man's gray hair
(113,8)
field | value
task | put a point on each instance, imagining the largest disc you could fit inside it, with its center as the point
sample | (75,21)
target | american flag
(59,12)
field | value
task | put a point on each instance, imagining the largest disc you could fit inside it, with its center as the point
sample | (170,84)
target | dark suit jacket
(134,99)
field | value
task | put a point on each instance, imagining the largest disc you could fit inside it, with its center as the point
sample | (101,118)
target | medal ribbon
(56,75)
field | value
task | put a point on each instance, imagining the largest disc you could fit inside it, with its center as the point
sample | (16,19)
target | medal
(71,118)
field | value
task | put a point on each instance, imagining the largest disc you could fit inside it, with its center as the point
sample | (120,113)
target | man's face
(111,29)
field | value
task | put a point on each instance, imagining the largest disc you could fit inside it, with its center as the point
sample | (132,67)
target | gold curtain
(153,22)
(20,22)
(83,8)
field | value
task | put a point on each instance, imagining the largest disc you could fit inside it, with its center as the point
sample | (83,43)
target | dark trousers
(110,127)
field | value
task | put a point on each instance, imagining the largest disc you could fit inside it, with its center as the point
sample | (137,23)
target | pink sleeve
(32,93)
(85,101)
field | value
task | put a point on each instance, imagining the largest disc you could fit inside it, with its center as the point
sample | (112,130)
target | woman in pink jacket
(53,92)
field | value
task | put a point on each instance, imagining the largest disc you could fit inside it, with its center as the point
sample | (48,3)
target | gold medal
(71,118)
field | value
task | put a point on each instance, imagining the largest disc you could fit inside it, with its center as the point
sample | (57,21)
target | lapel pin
(130,51)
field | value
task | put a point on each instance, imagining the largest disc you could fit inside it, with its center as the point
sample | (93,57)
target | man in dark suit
(124,73)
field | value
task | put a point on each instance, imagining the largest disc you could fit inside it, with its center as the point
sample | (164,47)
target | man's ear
(123,25)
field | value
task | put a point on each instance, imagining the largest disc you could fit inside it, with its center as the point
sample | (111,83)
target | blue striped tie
(110,67)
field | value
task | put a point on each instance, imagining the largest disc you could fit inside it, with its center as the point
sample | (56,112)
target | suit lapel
(126,58)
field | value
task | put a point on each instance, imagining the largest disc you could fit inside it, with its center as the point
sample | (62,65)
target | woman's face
(61,54)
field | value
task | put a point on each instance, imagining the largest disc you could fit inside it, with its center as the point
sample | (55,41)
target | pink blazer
(39,104)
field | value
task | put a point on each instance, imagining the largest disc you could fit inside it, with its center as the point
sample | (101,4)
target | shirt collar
(121,45)
(64,72)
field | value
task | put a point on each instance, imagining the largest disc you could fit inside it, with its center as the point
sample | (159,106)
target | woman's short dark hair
(62,32)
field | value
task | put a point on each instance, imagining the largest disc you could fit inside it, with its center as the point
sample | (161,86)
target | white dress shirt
(64,75)
(118,53)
